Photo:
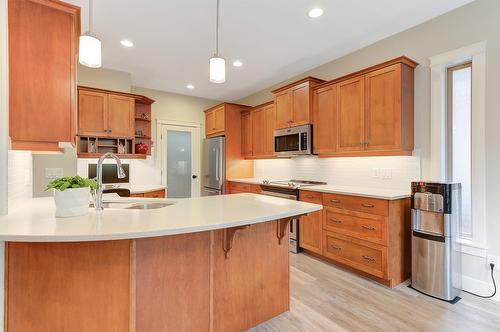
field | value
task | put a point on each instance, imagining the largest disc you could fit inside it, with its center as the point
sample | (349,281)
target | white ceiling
(275,39)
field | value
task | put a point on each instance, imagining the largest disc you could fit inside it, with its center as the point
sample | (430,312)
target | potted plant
(72,195)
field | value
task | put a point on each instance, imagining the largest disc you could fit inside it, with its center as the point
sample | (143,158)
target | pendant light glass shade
(90,51)
(217,70)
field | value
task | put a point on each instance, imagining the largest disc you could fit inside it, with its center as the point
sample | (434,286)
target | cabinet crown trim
(138,98)
(306,79)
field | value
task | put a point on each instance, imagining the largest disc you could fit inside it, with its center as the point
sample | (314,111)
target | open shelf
(122,156)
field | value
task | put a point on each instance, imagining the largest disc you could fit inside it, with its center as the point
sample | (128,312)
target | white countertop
(381,193)
(35,221)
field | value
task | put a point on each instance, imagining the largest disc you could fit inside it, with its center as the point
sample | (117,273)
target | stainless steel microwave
(295,141)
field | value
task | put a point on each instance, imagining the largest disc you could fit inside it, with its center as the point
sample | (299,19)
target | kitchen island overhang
(227,276)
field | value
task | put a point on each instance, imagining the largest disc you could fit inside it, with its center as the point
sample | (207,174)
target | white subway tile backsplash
(20,181)
(394,172)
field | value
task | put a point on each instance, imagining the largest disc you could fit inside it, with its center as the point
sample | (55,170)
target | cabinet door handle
(336,221)
(367,205)
(335,201)
(368,227)
(368,258)
(335,247)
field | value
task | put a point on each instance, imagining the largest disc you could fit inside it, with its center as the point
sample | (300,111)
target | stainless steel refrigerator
(214,165)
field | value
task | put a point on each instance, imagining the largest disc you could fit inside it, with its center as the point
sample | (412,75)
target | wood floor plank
(327,298)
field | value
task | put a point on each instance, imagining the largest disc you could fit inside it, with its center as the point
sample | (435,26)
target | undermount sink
(134,205)
(148,206)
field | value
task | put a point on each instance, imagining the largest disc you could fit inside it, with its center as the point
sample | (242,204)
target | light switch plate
(53,173)
(386,173)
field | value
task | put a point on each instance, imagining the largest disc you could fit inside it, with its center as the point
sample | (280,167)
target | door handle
(368,227)
(336,221)
(194,176)
(368,258)
(368,205)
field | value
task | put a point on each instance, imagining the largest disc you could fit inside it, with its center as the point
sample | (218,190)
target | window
(457,135)
(459,116)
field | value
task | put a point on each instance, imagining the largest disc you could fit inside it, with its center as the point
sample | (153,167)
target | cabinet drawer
(236,187)
(362,255)
(360,225)
(155,194)
(354,203)
(311,197)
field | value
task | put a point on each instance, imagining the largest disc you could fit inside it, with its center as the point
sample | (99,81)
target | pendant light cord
(90,16)
(216,31)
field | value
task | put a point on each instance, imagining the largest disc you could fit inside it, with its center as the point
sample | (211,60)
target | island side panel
(173,283)
(251,285)
(82,286)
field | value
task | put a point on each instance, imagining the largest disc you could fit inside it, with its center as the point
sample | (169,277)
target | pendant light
(90,46)
(217,63)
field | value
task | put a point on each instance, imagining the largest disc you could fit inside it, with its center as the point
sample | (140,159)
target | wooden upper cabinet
(293,103)
(43,44)
(301,110)
(103,114)
(269,110)
(92,113)
(383,120)
(284,117)
(121,116)
(258,132)
(246,134)
(350,114)
(325,119)
(215,120)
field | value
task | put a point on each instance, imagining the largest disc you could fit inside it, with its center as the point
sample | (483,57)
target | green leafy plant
(68,182)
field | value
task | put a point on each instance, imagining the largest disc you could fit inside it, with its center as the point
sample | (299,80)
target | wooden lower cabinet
(311,225)
(179,283)
(238,188)
(371,236)
(151,194)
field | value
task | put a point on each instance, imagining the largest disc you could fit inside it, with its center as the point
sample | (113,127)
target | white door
(180,150)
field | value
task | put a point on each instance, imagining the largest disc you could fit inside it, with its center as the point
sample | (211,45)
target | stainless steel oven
(293,141)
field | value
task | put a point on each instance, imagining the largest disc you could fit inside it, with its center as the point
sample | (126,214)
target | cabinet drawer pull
(367,205)
(335,247)
(336,221)
(368,258)
(368,227)
(335,201)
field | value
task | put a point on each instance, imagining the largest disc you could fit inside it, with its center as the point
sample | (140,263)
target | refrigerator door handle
(217,177)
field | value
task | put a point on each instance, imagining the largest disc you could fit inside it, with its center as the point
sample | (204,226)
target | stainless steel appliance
(293,141)
(288,189)
(214,165)
(436,219)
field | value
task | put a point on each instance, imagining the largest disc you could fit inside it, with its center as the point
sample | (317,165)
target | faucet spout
(120,173)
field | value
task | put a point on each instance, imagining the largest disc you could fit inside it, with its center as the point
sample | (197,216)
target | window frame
(439,148)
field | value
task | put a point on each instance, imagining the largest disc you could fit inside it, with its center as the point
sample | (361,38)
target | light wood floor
(327,298)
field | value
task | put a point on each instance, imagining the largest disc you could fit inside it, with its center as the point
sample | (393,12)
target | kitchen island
(216,263)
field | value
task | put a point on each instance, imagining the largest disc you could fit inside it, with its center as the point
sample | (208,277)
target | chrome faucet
(120,173)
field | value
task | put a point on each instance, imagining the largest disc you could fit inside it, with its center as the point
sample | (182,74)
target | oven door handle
(280,195)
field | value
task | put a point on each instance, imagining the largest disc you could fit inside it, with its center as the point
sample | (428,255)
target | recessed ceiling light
(190,86)
(126,43)
(237,63)
(315,12)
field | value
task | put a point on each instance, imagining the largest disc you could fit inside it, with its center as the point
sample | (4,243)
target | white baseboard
(479,287)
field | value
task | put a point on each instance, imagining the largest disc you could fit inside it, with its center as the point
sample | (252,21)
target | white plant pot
(72,202)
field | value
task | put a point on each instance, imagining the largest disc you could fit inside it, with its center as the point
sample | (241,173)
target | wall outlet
(53,173)
(493,259)
(386,173)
